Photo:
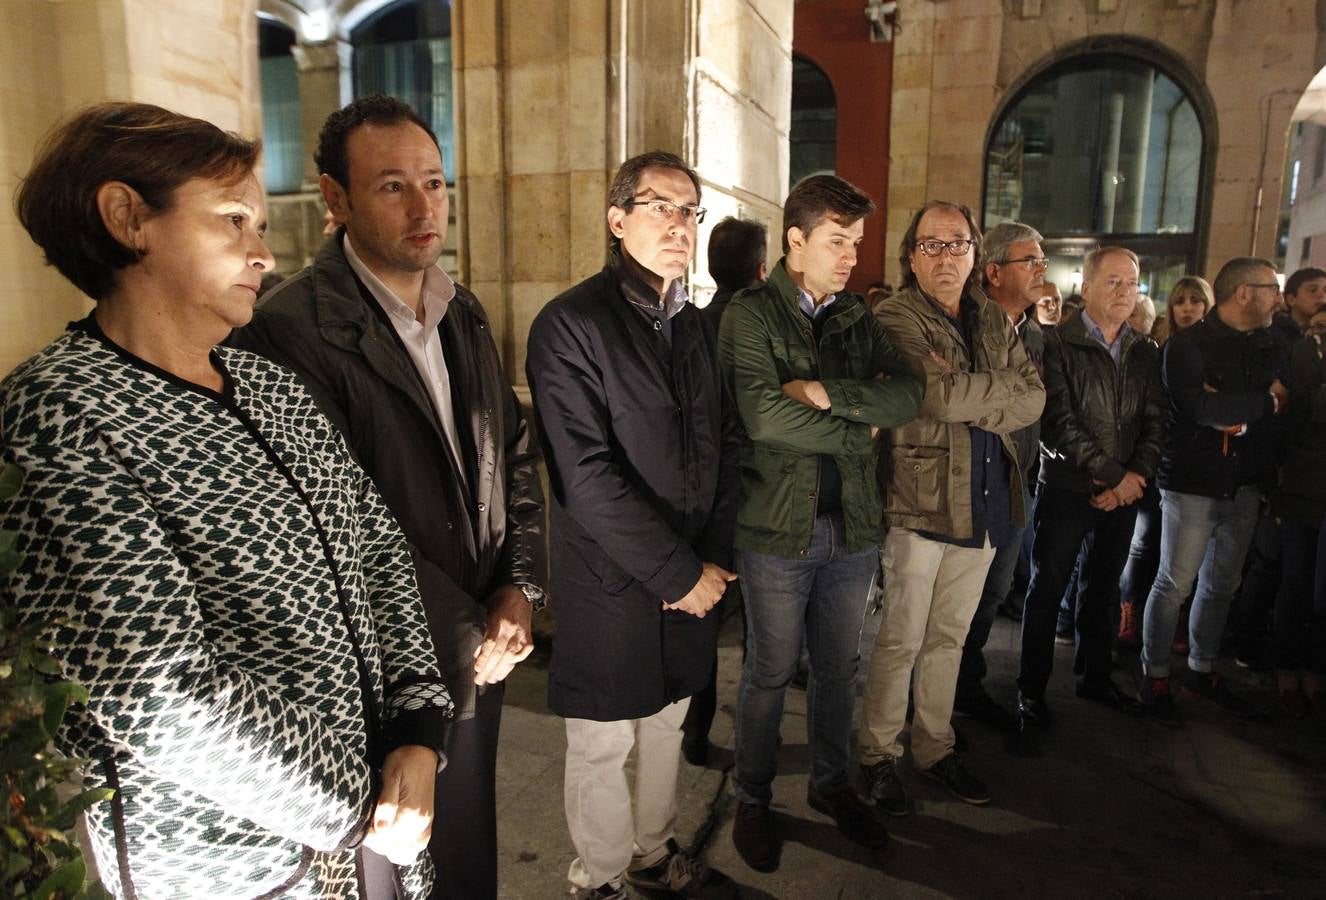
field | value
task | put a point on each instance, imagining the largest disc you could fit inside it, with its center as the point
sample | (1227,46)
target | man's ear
(616,221)
(764,271)
(992,274)
(336,198)
(796,238)
(124,212)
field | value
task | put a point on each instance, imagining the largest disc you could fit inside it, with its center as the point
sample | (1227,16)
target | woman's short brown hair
(151,149)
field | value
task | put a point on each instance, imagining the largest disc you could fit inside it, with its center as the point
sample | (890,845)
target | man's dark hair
(1234,274)
(1302,277)
(909,240)
(821,197)
(153,150)
(375,109)
(736,250)
(626,182)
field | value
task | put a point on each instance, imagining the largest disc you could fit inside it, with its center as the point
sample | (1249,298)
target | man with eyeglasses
(953,492)
(1101,439)
(1014,278)
(641,442)
(814,379)
(1223,377)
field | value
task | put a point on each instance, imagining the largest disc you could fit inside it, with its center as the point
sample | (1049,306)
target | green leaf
(57,700)
(18,864)
(11,479)
(84,801)
(46,665)
(15,836)
(66,881)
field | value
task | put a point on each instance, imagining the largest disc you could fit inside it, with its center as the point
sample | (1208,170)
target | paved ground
(1111,806)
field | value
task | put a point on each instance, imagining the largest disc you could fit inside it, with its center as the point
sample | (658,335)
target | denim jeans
(823,594)
(1202,535)
(1144,552)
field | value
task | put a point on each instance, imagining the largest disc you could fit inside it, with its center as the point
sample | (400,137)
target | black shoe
(1033,711)
(1107,694)
(683,876)
(1158,701)
(1210,686)
(852,816)
(950,772)
(754,837)
(886,788)
(984,708)
(696,751)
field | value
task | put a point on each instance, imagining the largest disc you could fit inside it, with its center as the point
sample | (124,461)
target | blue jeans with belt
(822,594)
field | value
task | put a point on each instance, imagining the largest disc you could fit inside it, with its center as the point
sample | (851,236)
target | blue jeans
(823,594)
(1198,535)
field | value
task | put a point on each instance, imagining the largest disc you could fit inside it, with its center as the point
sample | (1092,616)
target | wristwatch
(535,595)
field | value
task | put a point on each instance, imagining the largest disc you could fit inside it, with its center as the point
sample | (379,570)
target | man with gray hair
(1101,439)
(1013,275)
(1223,378)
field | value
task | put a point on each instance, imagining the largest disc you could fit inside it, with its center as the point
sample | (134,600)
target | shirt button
(810,496)
(856,412)
(987,460)
(658,326)
(985,493)
(482,507)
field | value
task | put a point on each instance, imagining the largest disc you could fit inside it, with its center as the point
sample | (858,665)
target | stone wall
(958,63)
(194,57)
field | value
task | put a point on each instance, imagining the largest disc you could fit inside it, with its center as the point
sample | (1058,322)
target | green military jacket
(765,341)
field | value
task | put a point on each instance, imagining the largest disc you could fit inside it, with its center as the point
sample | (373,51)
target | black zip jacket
(1218,377)
(1101,420)
(641,441)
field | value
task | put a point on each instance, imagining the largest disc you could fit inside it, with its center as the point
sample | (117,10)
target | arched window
(404,50)
(814,134)
(282,139)
(1101,149)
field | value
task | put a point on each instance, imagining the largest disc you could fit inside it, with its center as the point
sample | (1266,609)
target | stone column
(324,87)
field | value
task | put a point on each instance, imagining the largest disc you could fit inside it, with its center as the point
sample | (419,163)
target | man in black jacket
(641,443)
(401,359)
(1223,377)
(1014,278)
(1101,439)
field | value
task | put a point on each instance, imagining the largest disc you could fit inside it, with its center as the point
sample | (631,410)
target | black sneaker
(754,837)
(1210,686)
(695,752)
(951,773)
(1158,701)
(886,788)
(607,891)
(1033,711)
(851,815)
(982,707)
(683,876)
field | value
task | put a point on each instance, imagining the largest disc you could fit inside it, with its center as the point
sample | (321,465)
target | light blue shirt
(1116,348)
(812,309)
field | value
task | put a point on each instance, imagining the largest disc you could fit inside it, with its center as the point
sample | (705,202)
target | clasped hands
(1126,492)
(707,592)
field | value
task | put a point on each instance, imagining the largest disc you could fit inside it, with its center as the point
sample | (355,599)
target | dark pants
(1261,584)
(1066,523)
(464,840)
(1301,601)
(704,703)
(971,670)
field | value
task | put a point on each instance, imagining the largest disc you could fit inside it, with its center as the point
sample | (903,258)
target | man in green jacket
(814,379)
(954,493)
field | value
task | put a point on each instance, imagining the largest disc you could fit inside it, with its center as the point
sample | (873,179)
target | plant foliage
(38,855)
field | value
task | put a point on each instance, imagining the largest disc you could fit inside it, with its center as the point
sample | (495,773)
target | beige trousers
(606,836)
(931,591)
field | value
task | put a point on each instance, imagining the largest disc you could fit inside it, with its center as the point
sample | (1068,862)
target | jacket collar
(781,281)
(1072,328)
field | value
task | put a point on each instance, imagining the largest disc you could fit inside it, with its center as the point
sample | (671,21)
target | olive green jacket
(765,341)
(924,466)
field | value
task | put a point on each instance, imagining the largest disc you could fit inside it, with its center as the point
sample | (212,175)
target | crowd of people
(294,552)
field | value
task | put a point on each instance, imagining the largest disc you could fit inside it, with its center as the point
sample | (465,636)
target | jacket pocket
(920,479)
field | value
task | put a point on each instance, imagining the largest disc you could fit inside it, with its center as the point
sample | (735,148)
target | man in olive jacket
(641,444)
(953,492)
(402,361)
(1101,439)
(814,378)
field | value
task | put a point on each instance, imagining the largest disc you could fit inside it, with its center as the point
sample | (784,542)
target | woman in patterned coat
(225,581)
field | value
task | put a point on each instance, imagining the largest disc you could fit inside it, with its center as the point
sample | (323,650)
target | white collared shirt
(422,340)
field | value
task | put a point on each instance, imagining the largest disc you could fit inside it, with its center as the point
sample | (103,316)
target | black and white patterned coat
(240,606)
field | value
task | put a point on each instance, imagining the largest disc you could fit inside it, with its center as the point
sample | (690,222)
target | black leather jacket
(1101,420)
(325,325)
